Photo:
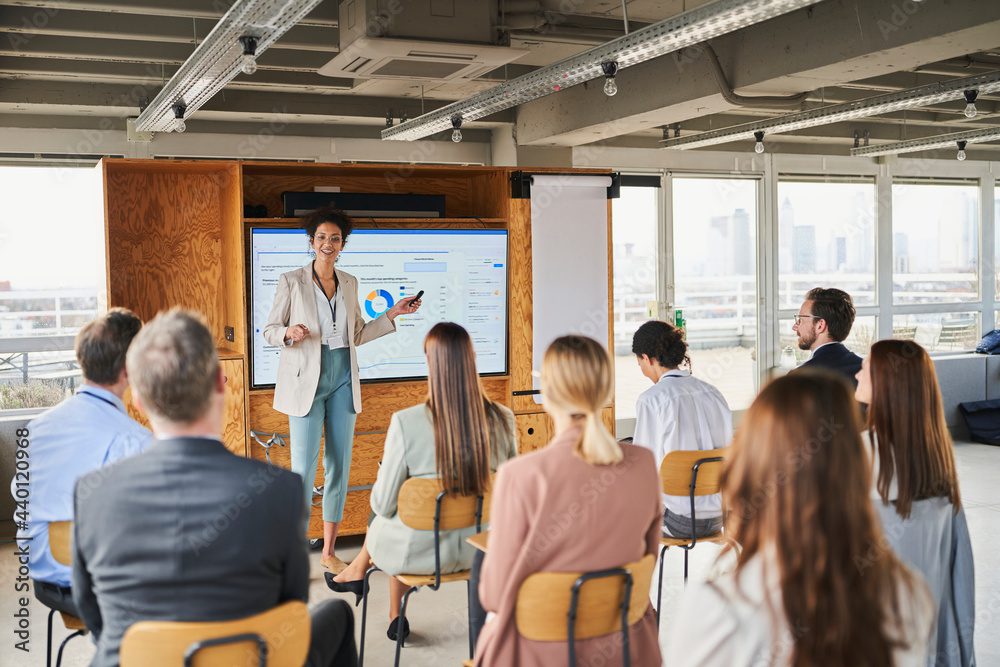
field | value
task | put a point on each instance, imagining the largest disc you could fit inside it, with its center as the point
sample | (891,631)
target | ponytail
(597,446)
(577,379)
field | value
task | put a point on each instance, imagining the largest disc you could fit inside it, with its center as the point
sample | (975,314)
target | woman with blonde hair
(582,503)
(915,487)
(457,435)
(812,585)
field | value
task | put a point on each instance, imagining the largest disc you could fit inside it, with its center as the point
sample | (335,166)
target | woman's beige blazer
(298,366)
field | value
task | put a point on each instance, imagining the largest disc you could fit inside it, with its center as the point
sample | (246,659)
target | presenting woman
(317,322)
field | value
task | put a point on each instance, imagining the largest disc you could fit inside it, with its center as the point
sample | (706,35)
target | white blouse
(326,308)
(720,624)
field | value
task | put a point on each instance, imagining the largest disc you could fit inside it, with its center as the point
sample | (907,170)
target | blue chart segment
(378,302)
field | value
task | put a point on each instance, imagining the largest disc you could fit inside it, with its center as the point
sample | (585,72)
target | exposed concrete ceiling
(63,62)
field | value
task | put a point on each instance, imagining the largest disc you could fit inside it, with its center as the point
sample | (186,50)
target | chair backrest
(61,541)
(543,603)
(417,504)
(679,467)
(283,631)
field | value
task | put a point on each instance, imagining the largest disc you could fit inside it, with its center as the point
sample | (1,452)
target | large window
(939,332)
(635,217)
(715,279)
(935,242)
(826,237)
(51,268)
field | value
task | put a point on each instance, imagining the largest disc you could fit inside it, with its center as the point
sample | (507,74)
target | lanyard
(333,308)
(100,398)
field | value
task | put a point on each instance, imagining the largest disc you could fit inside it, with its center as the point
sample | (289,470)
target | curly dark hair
(836,307)
(331,215)
(663,342)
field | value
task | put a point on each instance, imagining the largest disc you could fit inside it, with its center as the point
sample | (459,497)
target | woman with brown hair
(811,585)
(582,503)
(916,487)
(458,436)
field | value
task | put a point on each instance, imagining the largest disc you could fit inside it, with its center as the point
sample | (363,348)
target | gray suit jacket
(185,531)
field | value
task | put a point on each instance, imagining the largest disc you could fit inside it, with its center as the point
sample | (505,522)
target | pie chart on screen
(378,302)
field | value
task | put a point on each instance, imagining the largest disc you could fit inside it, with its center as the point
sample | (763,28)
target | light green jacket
(409,452)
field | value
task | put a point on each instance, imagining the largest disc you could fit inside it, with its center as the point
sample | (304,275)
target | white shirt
(325,307)
(681,412)
(718,624)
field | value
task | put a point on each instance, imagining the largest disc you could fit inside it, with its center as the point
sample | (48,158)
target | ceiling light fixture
(970,103)
(610,69)
(758,147)
(933,93)
(179,125)
(220,57)
(456,122)
(961,151)
(929,143)
(686,29)
(248,63)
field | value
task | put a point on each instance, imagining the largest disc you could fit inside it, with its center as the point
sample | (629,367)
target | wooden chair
(278,637)
(61,546)
(689,473)
(567,606)
(423,505)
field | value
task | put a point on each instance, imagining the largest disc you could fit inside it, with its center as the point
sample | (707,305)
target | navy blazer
(837,358)
(185,531)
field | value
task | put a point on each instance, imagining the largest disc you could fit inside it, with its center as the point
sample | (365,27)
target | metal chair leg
(686,550)
(364,612)
(659,587)
(78,633)
(48,652)
(468,607)
(399,626)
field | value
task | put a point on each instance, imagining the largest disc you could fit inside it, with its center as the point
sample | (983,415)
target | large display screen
(463,274)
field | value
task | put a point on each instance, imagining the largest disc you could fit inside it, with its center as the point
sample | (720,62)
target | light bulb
(970,110)
(248,65)
(179,125)
(610,87)
(758,147)
(456,135)
(961,154)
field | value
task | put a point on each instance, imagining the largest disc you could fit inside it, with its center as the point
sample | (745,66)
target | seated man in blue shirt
(83,433)
(187,530)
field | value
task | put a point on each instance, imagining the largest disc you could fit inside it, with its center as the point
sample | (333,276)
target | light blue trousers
(331,415)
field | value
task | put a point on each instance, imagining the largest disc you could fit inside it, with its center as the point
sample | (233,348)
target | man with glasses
(824,321)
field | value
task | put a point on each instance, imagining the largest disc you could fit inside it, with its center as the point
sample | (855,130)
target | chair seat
(428,579)
(717,538)
(72,622)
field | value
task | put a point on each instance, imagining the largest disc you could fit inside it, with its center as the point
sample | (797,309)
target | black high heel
(357,587)
(393,631)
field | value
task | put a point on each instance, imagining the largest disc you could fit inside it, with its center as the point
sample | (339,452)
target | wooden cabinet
(176,235)
(534,431)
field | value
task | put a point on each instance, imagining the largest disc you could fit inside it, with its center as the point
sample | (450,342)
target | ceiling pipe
(760,101)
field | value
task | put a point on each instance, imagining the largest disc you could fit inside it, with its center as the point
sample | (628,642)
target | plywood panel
(166,245)
(356,510)
(519,289)
(490,194)
(234,435)
(534,431)
(267,190)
